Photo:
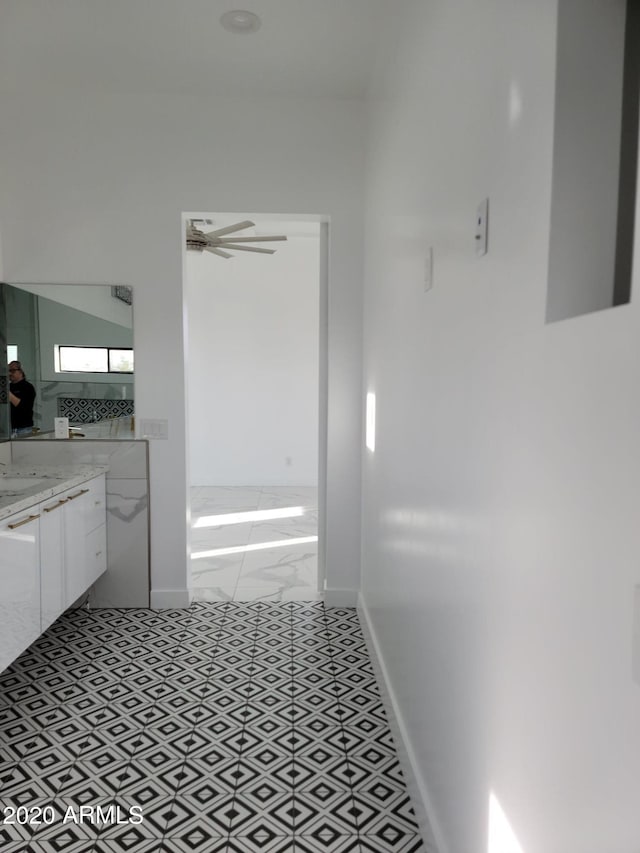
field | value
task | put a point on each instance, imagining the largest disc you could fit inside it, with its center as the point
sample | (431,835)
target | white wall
(103,180)
(253,363)
(586,157)
(501,541)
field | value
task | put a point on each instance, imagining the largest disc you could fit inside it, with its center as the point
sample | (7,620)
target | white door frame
(323,365)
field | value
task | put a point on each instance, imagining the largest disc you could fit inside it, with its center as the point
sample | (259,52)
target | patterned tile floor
(254,542)
(226,728)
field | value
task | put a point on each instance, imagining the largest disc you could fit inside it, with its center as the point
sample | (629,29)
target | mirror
(75,343)
(5,429)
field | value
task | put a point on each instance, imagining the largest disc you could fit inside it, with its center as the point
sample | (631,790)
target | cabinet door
(52,574)
(96,502)
(75,532)
(96,554)
(19,584)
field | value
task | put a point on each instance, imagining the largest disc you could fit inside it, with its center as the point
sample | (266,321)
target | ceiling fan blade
(243,248)
(229,229)
(250,239)
(217,252)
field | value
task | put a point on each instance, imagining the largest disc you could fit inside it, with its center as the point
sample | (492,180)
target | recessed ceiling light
(240,21)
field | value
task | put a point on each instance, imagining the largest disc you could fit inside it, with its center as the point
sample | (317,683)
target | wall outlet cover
(428,270)
(155,428)
(635,651)
(61,427)
(482,228)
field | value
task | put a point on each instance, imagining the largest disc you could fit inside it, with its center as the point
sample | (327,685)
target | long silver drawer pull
(81,492)
(57,506)
(24,521)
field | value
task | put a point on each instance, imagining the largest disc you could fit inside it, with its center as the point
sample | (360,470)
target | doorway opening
(255,349)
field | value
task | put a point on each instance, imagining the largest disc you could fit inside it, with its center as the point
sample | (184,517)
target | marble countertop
(80,436)
(122,429)
(113,430)
(22,486)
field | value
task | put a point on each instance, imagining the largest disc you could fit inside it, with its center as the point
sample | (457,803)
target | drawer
(96,561)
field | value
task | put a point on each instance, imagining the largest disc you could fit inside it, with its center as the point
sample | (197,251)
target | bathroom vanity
(126,583)
(52,547)
(35,320)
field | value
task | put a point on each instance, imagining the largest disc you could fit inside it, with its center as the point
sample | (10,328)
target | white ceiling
(304,47)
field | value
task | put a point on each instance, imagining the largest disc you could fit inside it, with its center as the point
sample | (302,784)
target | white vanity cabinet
(19,583)
(50,554)
(73,546)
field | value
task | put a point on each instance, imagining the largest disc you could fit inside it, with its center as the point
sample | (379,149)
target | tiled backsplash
(49,393)
(83,411)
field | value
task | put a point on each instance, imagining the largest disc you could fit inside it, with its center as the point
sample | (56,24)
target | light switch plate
(482,228)
(154,428)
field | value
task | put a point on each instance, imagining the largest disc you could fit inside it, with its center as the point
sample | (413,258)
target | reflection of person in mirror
(22,395)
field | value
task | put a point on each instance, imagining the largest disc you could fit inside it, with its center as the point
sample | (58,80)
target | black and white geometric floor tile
(232,727)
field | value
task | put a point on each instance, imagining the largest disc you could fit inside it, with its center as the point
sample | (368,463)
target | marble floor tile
(277,530)
(266,558)
(213,538)
(217,499)
(285,495)
(216,571)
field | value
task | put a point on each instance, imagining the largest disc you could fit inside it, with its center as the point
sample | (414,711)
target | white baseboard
(340,597)
(170,599)
(425,815)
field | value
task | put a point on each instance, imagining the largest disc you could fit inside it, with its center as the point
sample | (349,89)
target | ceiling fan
(221,241)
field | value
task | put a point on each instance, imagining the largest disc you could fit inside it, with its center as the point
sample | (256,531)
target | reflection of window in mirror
(75,359)
(594,157)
